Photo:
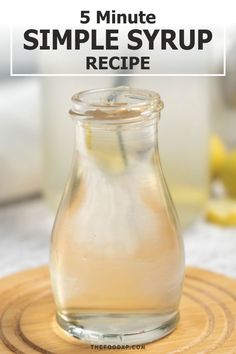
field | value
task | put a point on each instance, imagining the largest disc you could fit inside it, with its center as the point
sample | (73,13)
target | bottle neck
(115,146)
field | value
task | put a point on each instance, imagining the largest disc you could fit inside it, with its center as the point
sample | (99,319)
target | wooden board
(207,324)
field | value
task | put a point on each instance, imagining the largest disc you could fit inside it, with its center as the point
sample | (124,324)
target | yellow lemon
(112,161)
(228,173)
(222,212)
(217,155)
(105,150)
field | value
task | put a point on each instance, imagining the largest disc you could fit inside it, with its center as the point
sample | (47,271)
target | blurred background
(197,134)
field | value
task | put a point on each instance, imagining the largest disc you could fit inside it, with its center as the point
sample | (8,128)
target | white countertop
(25,236)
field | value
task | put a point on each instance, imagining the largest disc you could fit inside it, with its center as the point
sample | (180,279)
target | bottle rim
(121,104)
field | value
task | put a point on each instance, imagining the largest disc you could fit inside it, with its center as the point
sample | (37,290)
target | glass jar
(117,260)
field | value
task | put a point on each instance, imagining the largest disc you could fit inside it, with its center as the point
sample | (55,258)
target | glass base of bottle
(118,329)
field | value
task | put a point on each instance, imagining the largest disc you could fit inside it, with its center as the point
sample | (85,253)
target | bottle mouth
(121,105)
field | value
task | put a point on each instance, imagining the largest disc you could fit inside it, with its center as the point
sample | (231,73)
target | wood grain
(207,324)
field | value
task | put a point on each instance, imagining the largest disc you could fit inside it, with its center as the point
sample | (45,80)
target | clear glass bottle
(117,260)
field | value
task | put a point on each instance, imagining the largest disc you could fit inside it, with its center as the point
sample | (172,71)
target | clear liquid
(117,259)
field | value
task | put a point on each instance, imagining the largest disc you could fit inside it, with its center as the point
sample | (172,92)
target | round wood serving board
(207,323)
